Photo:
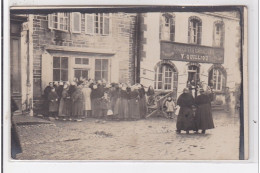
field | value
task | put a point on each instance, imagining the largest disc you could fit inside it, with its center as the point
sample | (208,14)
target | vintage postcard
(129,83)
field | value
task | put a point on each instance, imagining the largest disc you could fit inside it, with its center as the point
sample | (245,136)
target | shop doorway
(193,79)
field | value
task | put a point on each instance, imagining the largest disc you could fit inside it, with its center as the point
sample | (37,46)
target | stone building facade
(180,48)
(95,46)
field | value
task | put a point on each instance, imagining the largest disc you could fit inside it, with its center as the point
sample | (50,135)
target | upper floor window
(195,29)
(98,23)
(218,35)
(59,21)
(83,61)
(167,27)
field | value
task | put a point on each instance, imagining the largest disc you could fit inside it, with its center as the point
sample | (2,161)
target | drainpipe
(138,47)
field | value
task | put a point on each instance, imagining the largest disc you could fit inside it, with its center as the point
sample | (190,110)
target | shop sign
(191,53)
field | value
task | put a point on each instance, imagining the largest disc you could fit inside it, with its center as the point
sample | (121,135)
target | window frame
(171,25)
(100,31)
(163,82)
(59,16)
(60,68)
(221,34)
(81,61)
(197,37)
(81,69)
(108,68)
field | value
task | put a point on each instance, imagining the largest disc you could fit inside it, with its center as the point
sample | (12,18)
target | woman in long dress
(123,108)
(133,104)
(185,119)
(142,101)
(87,101)
(77,104)
(65,103)
(203,115)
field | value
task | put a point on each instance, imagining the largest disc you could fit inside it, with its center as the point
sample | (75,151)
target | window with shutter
(218,35)
(89,22)
(98,23)
(194,30)
(59,21)
(76,22)
(167,27)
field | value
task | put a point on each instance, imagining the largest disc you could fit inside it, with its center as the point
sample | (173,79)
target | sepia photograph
(128,83)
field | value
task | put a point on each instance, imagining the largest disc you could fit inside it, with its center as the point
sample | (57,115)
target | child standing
(170,107)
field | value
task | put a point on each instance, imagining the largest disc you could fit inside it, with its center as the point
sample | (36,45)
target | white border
(164,167)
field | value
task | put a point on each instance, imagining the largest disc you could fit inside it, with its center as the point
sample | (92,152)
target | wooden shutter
(199,33)
(47,69)
(106,24)
(189,31)
(50,21)
(89,23)
(76,22)
(172,29)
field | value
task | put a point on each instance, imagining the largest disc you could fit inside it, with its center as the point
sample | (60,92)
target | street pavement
(147,139)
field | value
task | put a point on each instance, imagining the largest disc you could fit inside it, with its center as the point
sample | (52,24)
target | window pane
(159,85)
(105,75)
(56,62)
(105,64)
(98,64)
(56,75)
(77,73)
(160,77)
(77,60)
(64,62)
(85,74)
(98,75)
(85,61)
(64,75)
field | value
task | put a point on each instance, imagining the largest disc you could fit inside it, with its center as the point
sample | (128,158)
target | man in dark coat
(203,115)
(185,120)
(60,89)
(45,106)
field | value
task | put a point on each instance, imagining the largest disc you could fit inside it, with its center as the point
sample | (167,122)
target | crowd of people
(99,99)
(89,98)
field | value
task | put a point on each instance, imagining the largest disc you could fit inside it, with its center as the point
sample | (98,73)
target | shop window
(60,68)
(101,69)
(97,23)
(165,77)
(167,27)
(78,73)
(83,61)
(195,29)
(217,79)
(59,21)
(218,35)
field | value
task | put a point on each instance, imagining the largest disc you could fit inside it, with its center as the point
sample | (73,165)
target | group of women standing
(202,119)
(96,99)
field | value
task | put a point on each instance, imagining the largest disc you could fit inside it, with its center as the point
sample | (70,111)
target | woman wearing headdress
(117,100)
(185,119)
(133,103)
(53,103)
(65,103)
(77,99)
(87,100)
(123,107)
(142,101)
(203,115)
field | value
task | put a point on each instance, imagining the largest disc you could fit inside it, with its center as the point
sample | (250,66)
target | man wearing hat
(185,119)
(203,115)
